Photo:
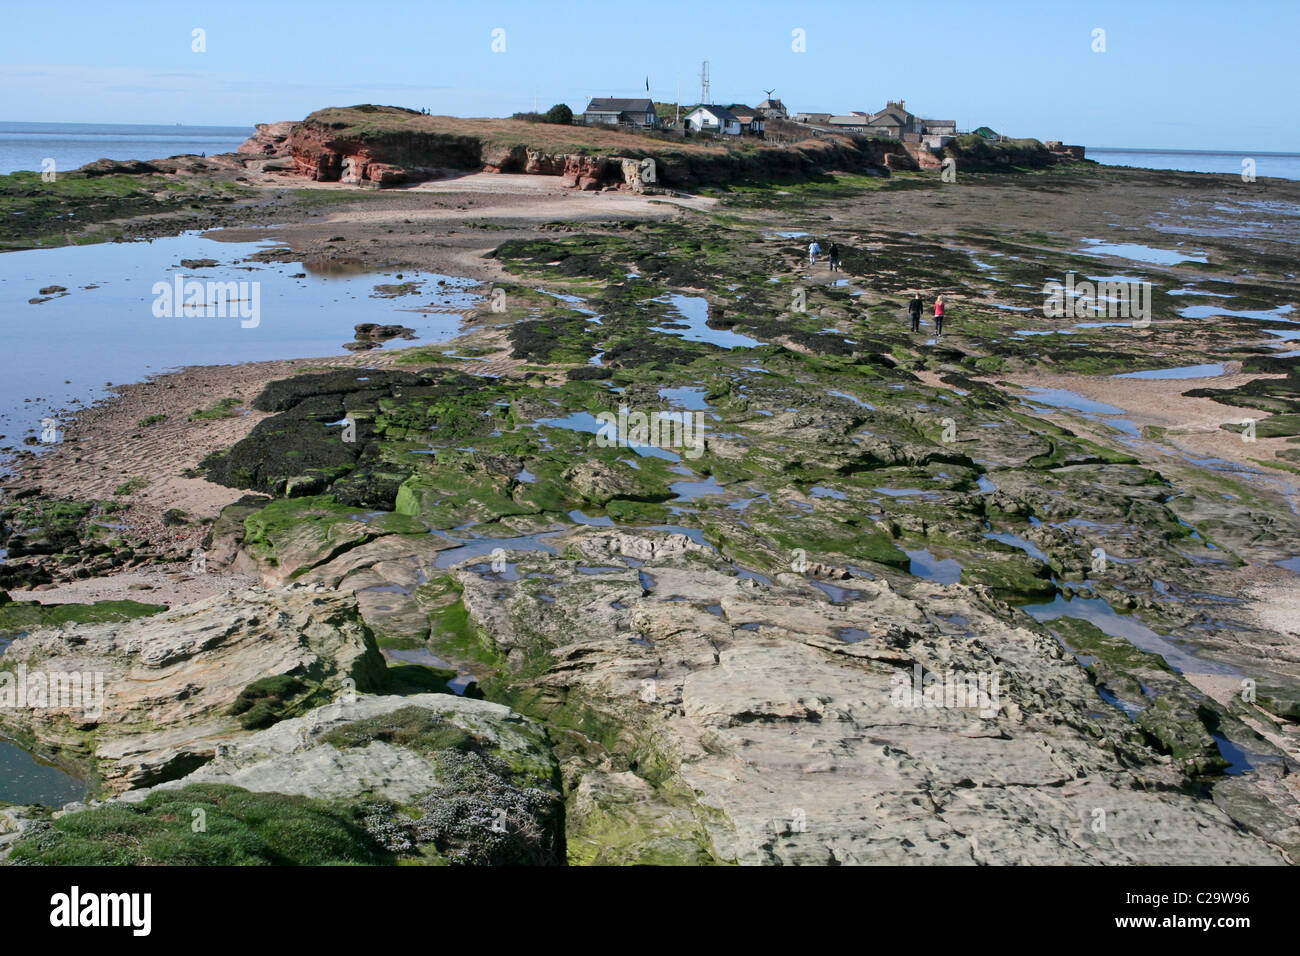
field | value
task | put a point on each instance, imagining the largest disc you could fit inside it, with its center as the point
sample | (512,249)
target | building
(813,119)
(938,133)
(896,122)
(770,107)
(752,122)
(853,121)
(1062,151)
(619,112)
(713,118)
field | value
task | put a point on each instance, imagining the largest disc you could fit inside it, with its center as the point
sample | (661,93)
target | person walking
(835,257)
(914,310)
(814,250)
(938,317)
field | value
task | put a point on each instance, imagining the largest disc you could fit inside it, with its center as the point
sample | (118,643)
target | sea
(70,145)
(1276,165)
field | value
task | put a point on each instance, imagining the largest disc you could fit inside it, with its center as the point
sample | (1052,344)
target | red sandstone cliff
(385,145)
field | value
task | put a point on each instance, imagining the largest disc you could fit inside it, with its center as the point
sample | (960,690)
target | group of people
(832,254)
(914,310)
(914,307)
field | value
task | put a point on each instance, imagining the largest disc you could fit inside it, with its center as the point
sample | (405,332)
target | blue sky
(1185,74)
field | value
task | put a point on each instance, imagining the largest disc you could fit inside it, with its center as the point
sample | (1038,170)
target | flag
(647,83)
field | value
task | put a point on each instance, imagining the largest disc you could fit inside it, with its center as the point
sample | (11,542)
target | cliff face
(387,153)
(385,145)
(324,155)
(975,154)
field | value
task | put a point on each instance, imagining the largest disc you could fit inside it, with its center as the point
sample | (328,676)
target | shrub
(411,727)
(559,114)
(131,486)
(266,701)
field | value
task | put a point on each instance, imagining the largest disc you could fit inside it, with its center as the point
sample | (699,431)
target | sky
(1180,74)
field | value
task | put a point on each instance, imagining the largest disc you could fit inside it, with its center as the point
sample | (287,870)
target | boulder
(435,777)
(269,140)
(308,755)
(172,683)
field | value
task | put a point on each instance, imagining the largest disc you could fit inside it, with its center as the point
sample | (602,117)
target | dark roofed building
(613,111)
(894,120)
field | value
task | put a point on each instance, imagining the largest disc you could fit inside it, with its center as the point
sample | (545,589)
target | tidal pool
(25,778)
(589,423)
(1208,311)
(105,328)
(1138,252)
(939,570)
(694,310)
(1183,371)
(1101,615)
(1016,541)
(481,547)
(1063,398)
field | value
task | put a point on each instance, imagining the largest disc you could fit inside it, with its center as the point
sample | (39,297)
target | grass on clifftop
(367,122)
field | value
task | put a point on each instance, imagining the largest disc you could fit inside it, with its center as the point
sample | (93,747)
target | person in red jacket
(938,317)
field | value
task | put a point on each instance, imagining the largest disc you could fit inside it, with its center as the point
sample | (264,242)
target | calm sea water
(28,145)
(1277,165)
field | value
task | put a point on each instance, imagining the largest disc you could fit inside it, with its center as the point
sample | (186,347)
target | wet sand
(1191,425)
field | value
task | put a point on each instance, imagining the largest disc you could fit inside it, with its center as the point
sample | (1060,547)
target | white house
(717,119)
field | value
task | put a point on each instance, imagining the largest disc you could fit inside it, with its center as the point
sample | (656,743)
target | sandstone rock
(296,756)
(118,167)
(169,680)
(437,778)
(773,718)
(270,139)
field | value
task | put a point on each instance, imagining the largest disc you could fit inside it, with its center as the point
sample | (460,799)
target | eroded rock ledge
(384,146)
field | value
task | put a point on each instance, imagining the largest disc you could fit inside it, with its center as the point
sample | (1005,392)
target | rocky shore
(969,600)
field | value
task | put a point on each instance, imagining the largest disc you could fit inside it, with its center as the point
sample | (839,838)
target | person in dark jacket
(914,310)
(835,257)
